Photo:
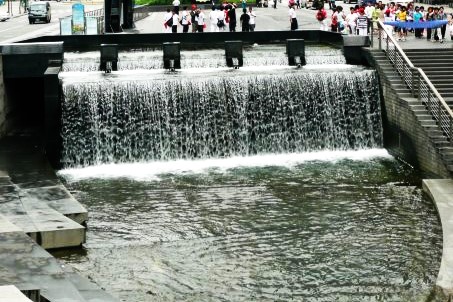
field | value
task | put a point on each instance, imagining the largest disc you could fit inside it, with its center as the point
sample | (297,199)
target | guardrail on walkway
(416,79)
(140,12)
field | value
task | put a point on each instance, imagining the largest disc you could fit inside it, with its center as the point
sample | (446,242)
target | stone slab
(60,199)
(10,293)
(48,227)
(441,192)
(7,227)
(27,266)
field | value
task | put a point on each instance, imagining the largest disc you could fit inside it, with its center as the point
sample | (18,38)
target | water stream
(345,229)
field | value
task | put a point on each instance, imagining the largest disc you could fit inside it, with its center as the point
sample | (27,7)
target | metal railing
(416,79)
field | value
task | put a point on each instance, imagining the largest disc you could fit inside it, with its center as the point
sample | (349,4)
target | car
(4,16)
(38,11)
(350,1)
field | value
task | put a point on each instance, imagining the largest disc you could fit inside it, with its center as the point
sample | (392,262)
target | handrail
(416,79)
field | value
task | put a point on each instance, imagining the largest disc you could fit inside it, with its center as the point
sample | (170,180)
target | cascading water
(219,116)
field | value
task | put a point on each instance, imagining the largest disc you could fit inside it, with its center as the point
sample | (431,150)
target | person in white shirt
(221,22)
(351,20)
(185,17)
(176,4)
(174,27)
(293,18)
(213,14)
(168,15)
(252,19)
(200,19)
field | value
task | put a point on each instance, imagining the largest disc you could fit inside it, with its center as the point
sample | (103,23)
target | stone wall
(2,101)
(404,136)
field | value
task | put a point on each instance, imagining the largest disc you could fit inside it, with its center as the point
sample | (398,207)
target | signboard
(91,25)
(78,19)
(66,26)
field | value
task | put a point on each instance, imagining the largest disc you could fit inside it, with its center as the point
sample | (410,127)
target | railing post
(439,114)
(371,34)
(428,101)
(380,36)
(394,57)
(387,46)
(415,87)
(451,131)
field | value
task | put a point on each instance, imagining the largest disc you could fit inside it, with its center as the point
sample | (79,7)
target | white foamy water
(152,170)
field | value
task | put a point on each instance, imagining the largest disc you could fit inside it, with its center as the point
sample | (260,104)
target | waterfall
(210,115)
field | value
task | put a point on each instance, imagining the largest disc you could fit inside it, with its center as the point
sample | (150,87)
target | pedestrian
(185,22)
(351,20)
(244,4)
(275,4)
(362,23)
(245,18)
(193,18)
(213,19)
(418,17)
(402,17)
(429,17)
(168,21)
(443,29)
(174,26)
(436,33)
(232,16)
(321,16)
(252,19)
(200,19)
(176,4)
(293,18)
(220,20)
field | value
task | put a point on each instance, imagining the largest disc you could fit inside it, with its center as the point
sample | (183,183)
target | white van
(39,11)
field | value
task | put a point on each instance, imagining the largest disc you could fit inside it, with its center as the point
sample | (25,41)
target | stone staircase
(440,77)
(438,67)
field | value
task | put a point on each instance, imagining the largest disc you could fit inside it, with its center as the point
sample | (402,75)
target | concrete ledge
(10,293)
(441,192)
(58,198)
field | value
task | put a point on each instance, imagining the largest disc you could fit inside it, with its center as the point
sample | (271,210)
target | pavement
(268,19)
(277,19)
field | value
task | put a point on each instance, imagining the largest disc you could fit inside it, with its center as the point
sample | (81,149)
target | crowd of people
(220,18)
(359,19)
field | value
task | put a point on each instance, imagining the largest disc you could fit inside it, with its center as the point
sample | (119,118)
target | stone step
(434,68)
(10,293)
(427,60)
(443,142)
(46,226)
(58,198)
(26,265)
(443,72)
(428,123)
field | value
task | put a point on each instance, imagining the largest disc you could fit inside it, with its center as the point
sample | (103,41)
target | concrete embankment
(441,192)
(37,213)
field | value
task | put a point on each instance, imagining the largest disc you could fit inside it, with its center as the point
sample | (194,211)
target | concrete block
(10,293)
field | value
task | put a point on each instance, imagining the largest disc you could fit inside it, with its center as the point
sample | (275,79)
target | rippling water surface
(346,230)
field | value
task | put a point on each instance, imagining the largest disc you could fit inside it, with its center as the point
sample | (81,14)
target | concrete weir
(441,192)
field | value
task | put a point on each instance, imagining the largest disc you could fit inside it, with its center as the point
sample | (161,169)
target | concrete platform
(441,192)
(58,198)
(26,265)
(10,293)
(31,214)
